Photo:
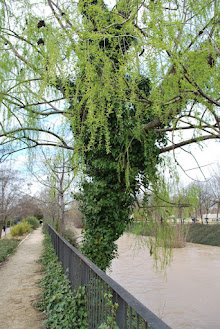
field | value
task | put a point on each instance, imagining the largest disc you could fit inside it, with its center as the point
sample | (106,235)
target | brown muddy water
(189,296)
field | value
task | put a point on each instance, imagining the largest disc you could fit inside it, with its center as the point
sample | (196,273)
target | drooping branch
(62,13)
(168,203)
(50,3)
(18,55)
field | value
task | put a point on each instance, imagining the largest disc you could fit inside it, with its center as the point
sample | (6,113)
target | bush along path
(19,289)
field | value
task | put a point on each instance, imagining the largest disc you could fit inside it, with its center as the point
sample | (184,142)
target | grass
(204,234)
(6,247)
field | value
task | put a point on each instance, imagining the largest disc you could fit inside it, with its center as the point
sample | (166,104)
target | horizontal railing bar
(136,305)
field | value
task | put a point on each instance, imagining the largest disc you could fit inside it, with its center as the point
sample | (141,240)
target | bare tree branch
(187,142)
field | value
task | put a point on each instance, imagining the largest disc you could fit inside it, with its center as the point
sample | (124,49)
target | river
(189,295)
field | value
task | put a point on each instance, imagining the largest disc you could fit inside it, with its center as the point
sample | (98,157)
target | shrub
(33,221)
(20,229)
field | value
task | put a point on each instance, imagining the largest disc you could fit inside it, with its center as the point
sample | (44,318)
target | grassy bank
(196,233)
(6,247)
(204,234)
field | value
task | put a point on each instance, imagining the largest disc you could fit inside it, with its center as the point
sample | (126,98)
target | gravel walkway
(19,277)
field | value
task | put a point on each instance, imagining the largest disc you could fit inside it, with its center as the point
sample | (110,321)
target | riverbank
(207,234)
(204,234)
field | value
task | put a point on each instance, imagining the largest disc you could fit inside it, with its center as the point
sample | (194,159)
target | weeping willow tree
(121,82)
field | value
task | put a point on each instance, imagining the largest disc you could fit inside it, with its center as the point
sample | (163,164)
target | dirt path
(19,277)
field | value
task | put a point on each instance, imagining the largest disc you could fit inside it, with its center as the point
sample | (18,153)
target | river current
(189,295)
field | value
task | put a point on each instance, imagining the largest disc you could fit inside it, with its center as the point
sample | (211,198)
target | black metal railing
(130,313)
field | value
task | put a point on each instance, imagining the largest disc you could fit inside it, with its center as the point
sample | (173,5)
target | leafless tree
(27,206)
(10,194)
(48,204)
(56,174)
(74,216)
(215,187)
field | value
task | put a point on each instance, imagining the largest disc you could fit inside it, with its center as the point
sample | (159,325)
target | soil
(19,289)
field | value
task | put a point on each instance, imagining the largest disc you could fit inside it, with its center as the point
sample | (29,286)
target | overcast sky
(207,157)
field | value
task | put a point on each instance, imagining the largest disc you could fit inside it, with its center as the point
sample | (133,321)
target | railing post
(121,312)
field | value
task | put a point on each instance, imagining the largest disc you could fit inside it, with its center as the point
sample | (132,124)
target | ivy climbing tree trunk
(123,158)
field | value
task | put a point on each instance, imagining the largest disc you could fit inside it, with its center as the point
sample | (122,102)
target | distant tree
(38,214)
(49,206)
(73,216)
(214,186)
(26,206)
(56,173)
(10,194)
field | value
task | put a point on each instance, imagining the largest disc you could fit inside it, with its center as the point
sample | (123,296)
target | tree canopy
(45,45)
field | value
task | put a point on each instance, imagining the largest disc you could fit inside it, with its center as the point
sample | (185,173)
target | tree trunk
(62,213)
(1,227)
(218,208)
